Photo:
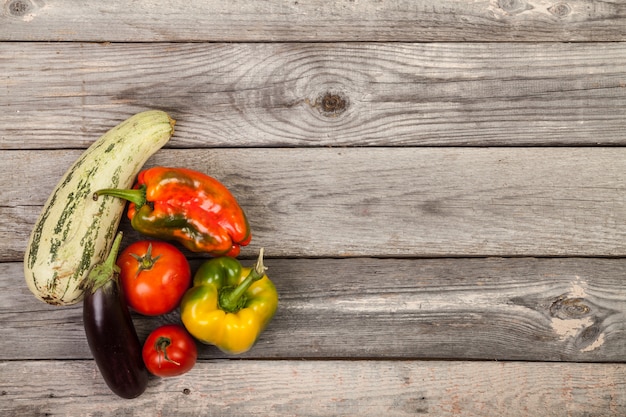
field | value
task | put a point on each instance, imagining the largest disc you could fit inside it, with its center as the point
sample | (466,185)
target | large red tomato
(170,351)
(154,276)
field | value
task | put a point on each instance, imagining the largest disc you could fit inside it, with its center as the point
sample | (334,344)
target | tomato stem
(161,346)
(146,262)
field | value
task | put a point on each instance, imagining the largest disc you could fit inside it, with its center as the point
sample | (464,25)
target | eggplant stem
(103,272)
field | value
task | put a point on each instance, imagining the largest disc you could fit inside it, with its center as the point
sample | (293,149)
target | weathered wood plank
(367,20)
(424,202)
(490,309)
(370,302)
(312,388)
(241,95)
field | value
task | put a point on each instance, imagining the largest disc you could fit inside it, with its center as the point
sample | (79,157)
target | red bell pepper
(186,206)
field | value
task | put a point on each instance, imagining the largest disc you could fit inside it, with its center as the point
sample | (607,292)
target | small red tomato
(169,351)
(154,276)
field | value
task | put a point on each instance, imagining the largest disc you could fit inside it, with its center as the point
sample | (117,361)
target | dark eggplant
(110,331)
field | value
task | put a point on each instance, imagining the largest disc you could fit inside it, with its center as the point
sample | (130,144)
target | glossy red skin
(157,290)
(192,208)
(181,351)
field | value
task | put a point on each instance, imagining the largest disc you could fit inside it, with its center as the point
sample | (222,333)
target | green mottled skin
(74,232)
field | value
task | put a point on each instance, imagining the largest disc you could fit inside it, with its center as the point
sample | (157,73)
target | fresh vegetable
(110,331)
(187,206)
(154,276)
(169,351)
(229,305)
(73,231)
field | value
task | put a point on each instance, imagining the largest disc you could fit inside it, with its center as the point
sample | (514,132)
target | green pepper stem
(101,273)
(137,196)
(232,300)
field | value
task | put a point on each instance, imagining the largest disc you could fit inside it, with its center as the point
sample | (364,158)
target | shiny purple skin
(113,341)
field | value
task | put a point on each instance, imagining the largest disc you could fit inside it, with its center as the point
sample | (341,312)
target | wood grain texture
(438,185)
(350,388)
(280,20)
(481,309)
(384,202)
(365,94)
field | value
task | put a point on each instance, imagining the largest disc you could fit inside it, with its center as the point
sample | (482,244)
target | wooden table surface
(439,186)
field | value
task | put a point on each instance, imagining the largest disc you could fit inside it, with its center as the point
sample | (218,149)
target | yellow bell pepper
(229,305)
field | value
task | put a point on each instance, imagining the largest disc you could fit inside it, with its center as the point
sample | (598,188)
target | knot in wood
(589,334)
(19,8)
(560,10)
(569,308)
(332,104)
(514,6)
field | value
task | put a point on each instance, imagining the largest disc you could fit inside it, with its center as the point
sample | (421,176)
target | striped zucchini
(74,231)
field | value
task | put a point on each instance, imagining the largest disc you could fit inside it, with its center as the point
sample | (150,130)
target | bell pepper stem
(233,299)
(137,196)
(101,273)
